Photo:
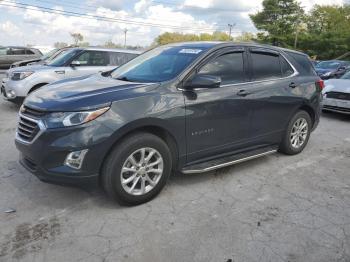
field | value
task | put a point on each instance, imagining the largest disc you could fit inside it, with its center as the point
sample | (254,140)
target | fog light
(75,159)
(10,94)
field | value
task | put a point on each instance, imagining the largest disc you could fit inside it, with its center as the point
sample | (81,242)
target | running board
(223,162)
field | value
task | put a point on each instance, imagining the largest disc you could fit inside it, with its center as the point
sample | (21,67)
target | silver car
(12,54)
(77,62)
(336,95)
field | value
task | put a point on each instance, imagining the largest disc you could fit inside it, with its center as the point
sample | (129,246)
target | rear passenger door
(273,80)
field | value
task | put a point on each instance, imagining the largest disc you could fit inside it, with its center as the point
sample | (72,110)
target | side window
(305,65)
(4,51)
(29,52)
(18,51)
(230,67)
(287,70)
(265,66)
(93,58)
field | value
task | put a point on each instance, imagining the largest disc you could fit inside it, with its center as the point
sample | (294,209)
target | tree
(278,20)
(60,44)
(327,35)
(245,37)
(167,37)
(77,37)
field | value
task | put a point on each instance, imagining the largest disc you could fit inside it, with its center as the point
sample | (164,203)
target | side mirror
(75,63)
(203,81)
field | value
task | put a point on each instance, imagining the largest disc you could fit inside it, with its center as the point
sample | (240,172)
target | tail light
(320,84)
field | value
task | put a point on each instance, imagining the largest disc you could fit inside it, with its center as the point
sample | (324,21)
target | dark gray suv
(12,54)
(189,107)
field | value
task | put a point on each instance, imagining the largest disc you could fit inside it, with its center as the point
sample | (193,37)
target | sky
(23,22)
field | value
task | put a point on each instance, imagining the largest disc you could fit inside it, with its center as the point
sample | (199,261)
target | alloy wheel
(299,133)
(142,171)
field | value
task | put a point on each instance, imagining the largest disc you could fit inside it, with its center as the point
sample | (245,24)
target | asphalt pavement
(275,208)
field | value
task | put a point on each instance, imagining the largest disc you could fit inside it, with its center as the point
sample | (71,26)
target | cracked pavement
(275,208)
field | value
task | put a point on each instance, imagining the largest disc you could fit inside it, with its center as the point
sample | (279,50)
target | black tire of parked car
(111,170)
(286,146)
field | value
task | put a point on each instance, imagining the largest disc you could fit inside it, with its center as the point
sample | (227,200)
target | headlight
(20,75)
(63,119)
(327,74)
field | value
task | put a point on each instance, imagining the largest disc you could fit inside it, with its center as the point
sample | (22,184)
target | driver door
(218,119)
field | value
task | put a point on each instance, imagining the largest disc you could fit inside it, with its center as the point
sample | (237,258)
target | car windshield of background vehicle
(158,65)
(47,55)
(61,60)
(328,65)
(346,76)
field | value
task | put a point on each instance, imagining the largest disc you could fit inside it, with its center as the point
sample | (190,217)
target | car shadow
(337,116)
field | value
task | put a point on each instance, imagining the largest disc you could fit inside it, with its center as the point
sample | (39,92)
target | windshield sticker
(190,51)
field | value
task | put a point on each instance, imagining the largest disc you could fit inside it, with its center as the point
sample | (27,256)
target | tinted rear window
(265,66)
(305,66)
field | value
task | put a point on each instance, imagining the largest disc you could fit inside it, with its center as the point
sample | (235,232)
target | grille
(338,95)
(27,129)
(27,111)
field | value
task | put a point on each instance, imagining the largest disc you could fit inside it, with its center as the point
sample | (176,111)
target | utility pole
(230,26)
(125,31)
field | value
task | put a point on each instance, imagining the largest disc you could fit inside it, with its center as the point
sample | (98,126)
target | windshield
(47,55)
(346,76)
(328,65)
(157,65)
(61,60)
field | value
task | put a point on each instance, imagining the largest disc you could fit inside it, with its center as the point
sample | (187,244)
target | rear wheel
(297,133)
(137,169)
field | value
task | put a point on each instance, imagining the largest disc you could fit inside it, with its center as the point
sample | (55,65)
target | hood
(337,85)
(26,61)
(83,93)
(35,68)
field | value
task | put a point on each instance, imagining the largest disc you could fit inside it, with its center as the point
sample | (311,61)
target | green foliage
(278,19)
(167,37)
(324,32)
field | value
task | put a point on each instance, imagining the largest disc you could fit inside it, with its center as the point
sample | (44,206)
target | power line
(91,8)
(102,18)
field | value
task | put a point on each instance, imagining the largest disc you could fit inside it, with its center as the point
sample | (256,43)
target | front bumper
(19,88)
(336,105)
(45,155)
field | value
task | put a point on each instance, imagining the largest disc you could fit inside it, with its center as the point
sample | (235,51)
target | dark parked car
(12,54)
(45,59)
(332,68)
(192,107)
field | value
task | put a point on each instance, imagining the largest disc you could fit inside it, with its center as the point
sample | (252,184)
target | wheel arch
(37,86)
(310,111)
(153,128)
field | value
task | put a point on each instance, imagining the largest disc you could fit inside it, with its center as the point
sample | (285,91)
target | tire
(294,144)
(119,165)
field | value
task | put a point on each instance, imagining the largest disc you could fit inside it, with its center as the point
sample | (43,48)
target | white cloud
(208,15)
(8,28)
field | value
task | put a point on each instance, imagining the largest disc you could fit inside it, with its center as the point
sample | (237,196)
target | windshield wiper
(124,78)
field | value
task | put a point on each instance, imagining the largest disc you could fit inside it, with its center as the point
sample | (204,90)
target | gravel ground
(276,208)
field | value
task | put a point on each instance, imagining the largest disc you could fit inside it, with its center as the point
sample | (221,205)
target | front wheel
(137,169)
(297,134)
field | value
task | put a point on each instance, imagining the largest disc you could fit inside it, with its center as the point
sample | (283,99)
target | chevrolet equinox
(188,107)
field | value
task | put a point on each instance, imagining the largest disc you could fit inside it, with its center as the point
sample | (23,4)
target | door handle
(292,85)
(242,92)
